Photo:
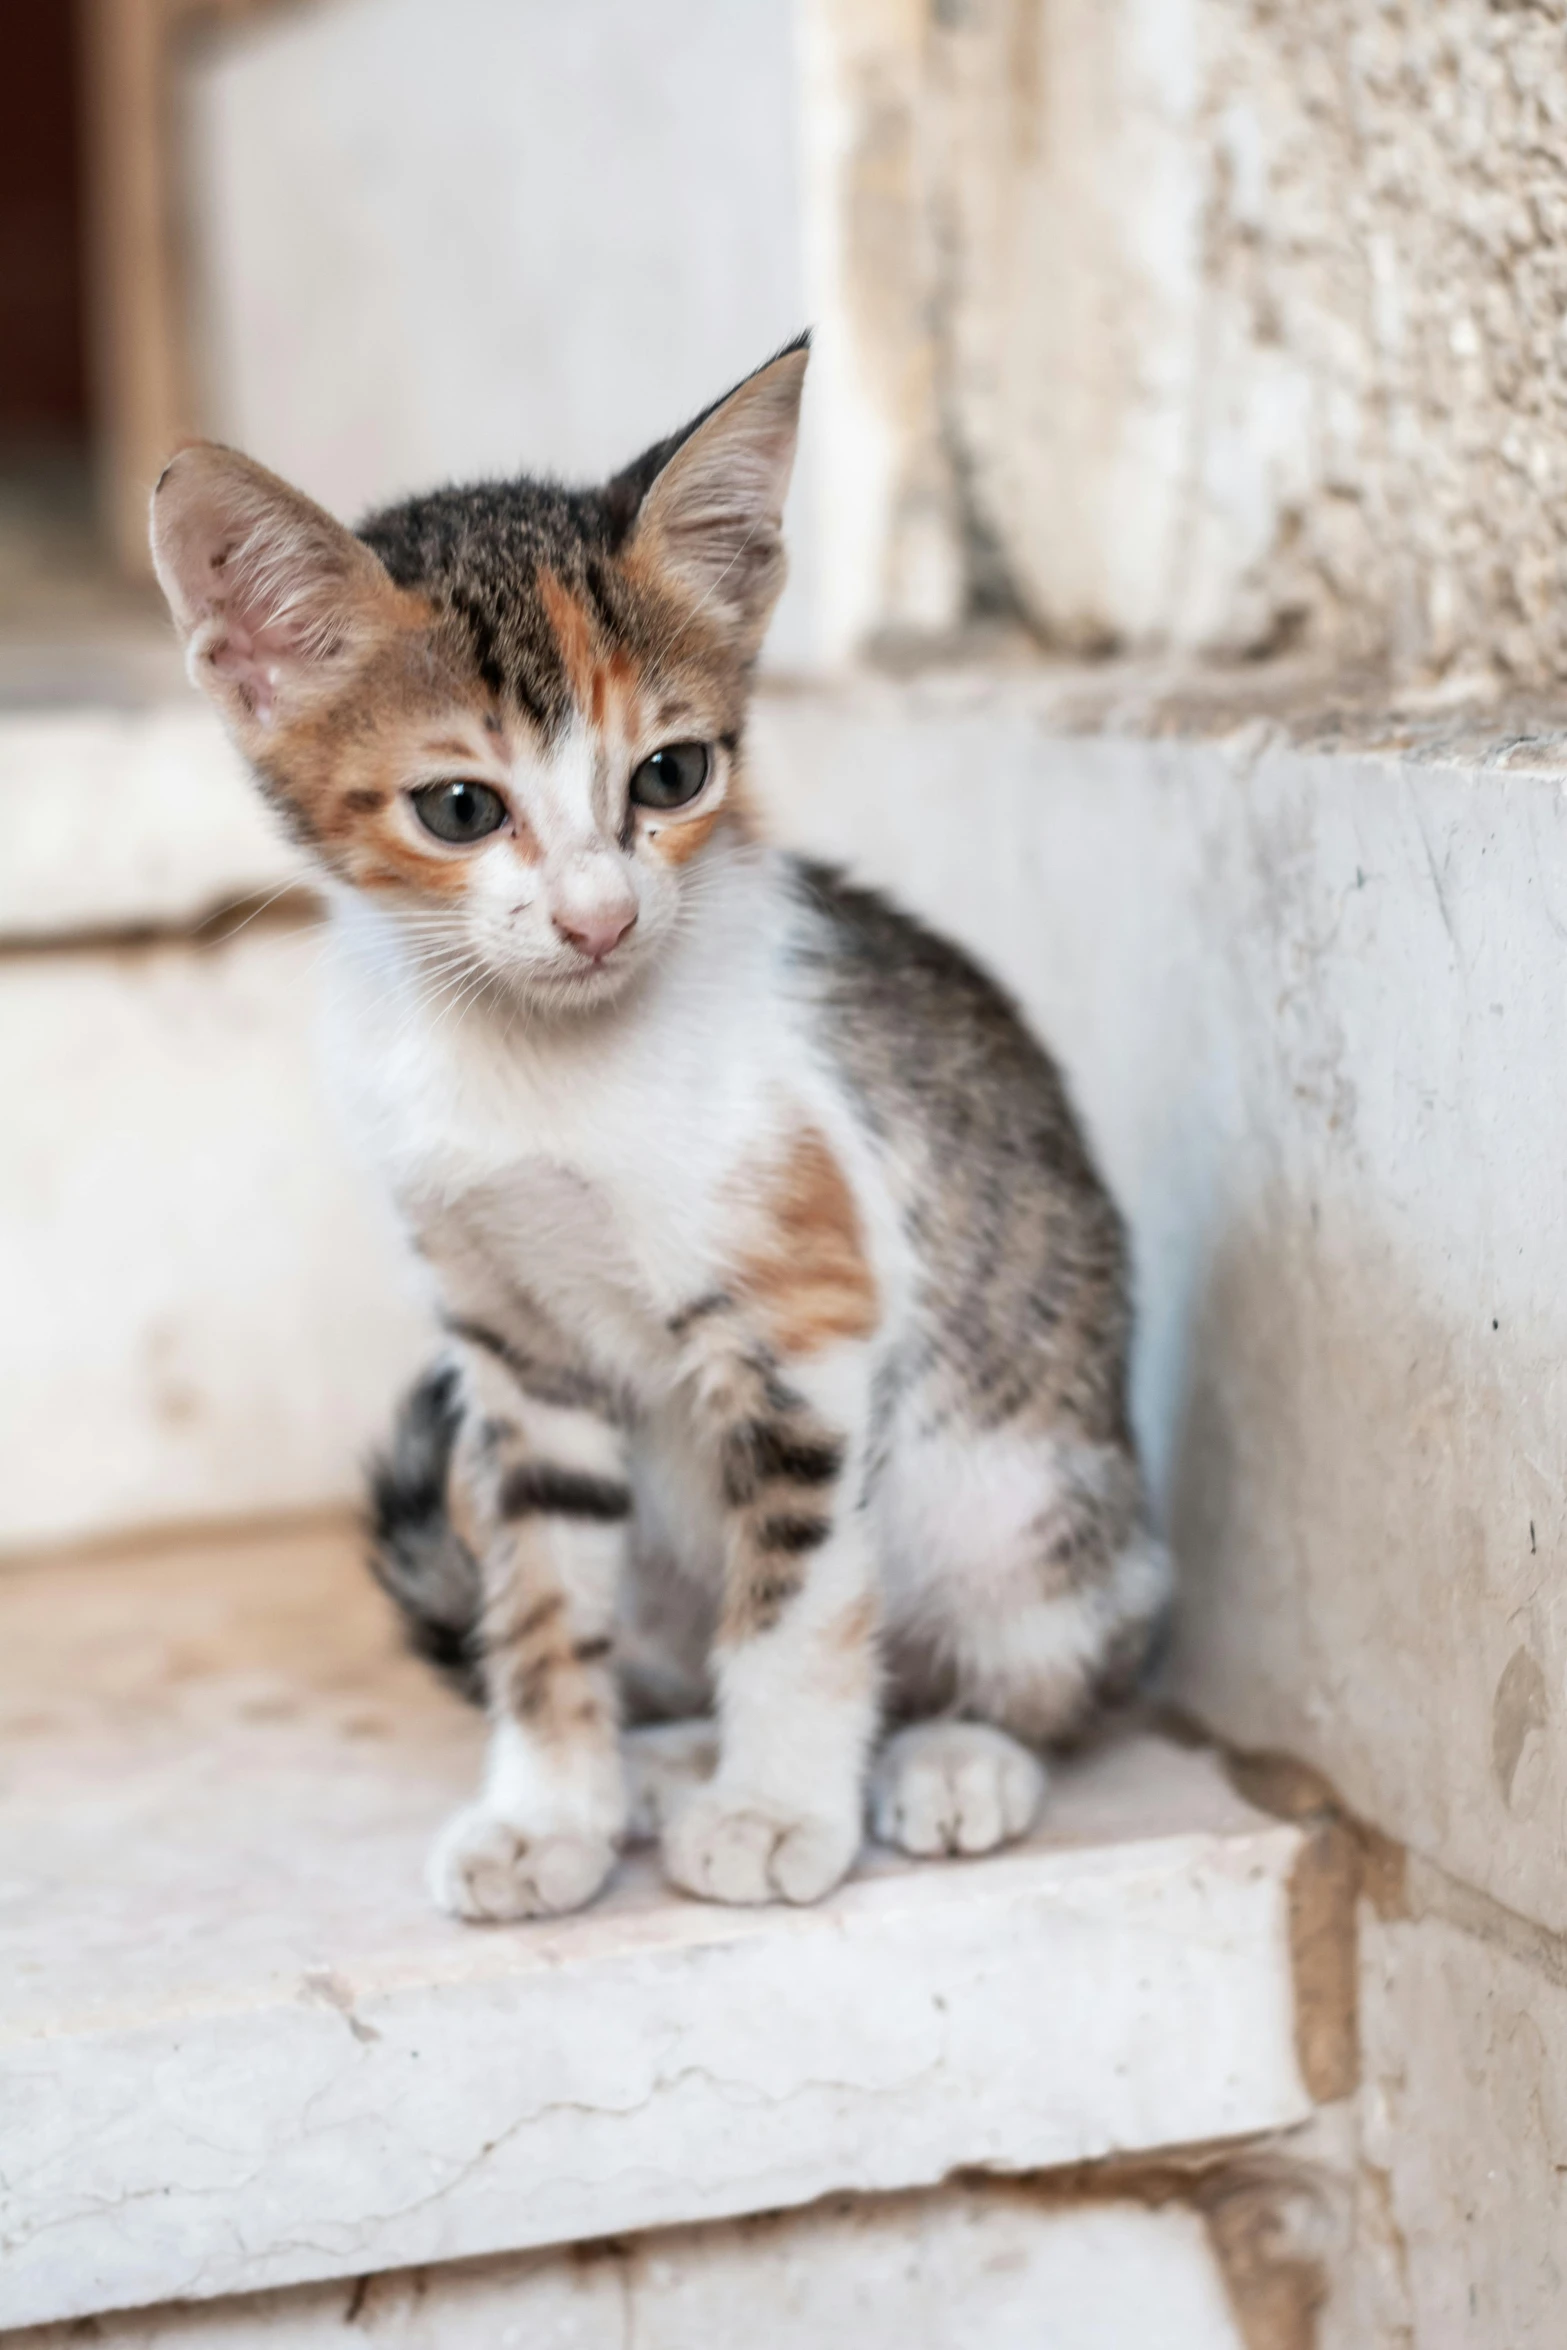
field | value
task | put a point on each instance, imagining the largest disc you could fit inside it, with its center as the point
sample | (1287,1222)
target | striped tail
(416,1555)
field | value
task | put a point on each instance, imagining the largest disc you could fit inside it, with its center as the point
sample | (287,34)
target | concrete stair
(241,2051)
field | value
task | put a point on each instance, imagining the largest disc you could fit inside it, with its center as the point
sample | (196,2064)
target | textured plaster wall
(1461,2225)
(1244,323)
(1384,267)
(888,515)
(1312,1007)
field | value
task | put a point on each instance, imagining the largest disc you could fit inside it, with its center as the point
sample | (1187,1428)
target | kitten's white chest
(597,1172)
(605,1203)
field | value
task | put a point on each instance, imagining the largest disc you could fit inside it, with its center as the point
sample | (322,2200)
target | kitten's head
(510,714)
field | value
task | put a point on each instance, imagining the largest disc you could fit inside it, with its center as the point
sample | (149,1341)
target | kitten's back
(1022,1304)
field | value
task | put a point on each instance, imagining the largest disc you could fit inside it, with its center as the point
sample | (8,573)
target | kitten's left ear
(711,521)
(273,599)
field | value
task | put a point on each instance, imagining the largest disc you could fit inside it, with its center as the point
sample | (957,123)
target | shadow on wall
(1368,1540)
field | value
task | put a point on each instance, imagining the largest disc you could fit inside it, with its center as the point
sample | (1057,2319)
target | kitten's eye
(671,777)
(459,812)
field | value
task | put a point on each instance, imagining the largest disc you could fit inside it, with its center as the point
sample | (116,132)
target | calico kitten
(787,1315)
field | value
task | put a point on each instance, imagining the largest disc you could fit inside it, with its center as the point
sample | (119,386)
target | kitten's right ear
(273,599)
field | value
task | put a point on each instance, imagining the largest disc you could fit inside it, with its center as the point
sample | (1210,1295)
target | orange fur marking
(850,1667)
(602,686)
(857,1624)
(573,633)
(678,843)
(808,1276)
(403,868)
(617,694)
(329,766)
(461,1508)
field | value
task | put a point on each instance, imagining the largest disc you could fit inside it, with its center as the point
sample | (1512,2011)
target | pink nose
(596,935)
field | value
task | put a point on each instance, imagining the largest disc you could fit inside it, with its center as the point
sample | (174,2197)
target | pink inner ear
(267,589)
(241,658)
(257,628)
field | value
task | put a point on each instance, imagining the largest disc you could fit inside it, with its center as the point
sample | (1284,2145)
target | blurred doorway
(381,243)
(43,379)
(48,532)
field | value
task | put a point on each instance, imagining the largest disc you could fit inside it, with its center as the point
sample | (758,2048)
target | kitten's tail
(416,1554)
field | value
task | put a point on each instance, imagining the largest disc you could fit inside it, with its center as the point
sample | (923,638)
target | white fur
(969,1513)
(604,1154)
(954,1787)
(606,1148)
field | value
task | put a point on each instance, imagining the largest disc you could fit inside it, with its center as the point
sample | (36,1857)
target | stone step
(1012,2267)
(1302,965)
(239,2050)
(129,819)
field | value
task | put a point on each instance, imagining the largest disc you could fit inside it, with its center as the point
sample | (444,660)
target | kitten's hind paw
(484,1869)
(954,1787)
(727,1848)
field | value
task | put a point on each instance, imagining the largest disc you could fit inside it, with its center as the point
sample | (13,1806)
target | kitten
(787,1315)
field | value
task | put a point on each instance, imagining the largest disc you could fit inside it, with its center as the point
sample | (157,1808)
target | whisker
(299,882)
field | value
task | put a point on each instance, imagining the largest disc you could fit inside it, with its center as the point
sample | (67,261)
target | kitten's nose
(598,933)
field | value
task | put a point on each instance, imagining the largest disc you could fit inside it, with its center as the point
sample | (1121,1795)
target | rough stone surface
(1461,2209)
(242,2049)
(1012,2270)
(891,557)
(1241,324)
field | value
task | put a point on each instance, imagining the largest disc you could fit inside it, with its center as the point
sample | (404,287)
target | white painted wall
(204,1309)
(439,239)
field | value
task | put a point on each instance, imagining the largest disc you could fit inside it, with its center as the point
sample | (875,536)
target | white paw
(954,1787)
(483,1869)
(663,1764)
(727,1847)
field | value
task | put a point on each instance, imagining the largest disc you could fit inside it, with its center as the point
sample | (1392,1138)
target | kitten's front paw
(954,1787)
(725,1847)
(485,1869)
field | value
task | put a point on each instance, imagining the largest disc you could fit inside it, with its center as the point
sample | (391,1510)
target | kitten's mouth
(583,988)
